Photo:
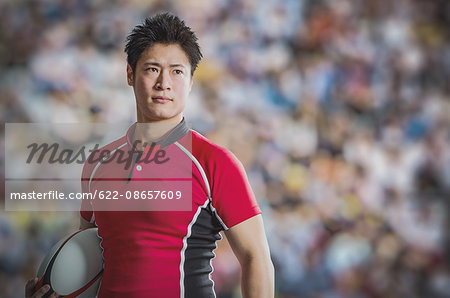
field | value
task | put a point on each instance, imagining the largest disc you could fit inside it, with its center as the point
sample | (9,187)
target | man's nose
(163,82)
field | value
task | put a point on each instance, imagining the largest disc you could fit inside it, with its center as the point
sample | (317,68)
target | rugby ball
(74,265)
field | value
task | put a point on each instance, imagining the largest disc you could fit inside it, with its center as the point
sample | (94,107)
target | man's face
(161,83)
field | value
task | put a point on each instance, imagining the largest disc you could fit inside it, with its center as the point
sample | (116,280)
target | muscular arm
(249,244)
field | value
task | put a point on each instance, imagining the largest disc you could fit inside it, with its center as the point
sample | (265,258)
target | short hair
(162,28)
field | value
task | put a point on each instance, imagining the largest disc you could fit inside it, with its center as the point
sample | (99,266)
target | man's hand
(31,293)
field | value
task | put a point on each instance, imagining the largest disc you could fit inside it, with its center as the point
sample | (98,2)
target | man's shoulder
(115,145)
(209,151)
(98,153)
(204,146)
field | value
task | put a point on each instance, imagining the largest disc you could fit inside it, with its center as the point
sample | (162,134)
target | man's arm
(84,224)
(249,244)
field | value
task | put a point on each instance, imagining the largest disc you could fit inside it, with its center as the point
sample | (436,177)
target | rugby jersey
(167,253)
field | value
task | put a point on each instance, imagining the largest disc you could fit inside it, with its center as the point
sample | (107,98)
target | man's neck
(148,132)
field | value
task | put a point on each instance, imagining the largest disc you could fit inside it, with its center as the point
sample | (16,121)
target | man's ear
(130,75)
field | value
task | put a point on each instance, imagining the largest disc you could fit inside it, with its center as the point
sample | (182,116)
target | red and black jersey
(169,253)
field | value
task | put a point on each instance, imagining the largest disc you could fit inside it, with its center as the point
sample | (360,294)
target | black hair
(162,28)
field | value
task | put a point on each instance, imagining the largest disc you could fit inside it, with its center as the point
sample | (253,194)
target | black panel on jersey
(199,252)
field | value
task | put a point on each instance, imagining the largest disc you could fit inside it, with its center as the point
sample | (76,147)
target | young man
(168,253)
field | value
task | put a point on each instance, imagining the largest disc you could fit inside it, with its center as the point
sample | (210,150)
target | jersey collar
(169,138)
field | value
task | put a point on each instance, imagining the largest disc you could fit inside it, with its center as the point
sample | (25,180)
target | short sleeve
(232,195)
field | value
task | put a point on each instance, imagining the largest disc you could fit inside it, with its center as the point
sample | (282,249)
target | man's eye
(177,71)
(152,69)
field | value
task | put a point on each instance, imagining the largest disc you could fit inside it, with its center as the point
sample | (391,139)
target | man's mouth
(161,99)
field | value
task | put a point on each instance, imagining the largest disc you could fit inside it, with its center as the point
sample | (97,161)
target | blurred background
(339,111)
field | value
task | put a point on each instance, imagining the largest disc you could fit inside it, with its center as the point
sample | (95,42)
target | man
(168,253)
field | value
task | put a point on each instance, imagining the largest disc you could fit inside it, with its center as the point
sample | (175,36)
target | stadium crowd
(339,111)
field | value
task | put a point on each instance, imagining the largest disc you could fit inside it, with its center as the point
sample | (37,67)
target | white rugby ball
(74,265)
